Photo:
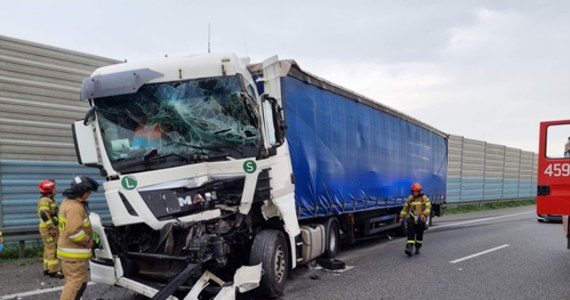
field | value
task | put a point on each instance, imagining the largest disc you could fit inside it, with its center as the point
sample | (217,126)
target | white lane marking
(480,220)
(35,292)
(479,253)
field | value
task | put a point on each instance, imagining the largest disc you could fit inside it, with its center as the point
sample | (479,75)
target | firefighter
(47,213)
(415,212)
(76,238)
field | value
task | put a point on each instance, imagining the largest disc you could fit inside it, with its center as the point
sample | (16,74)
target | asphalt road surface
(499,254)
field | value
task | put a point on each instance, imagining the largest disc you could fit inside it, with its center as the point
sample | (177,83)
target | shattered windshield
(174,123)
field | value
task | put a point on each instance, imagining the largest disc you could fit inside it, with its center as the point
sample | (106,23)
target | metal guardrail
(21,235)
(19,195)
(24,234)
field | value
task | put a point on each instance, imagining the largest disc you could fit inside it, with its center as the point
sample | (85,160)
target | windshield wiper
(221,152)
(128,162)
(233,147)
(152,153)
(192,146)
(152,156)
(189,158)
(248,133)
(224,155)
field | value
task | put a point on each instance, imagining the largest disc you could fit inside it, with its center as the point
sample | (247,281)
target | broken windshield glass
(209,116)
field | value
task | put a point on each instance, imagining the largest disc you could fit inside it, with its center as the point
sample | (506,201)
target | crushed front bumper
(107,269)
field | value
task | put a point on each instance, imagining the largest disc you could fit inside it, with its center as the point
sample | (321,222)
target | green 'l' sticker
(129,183)
(249,166)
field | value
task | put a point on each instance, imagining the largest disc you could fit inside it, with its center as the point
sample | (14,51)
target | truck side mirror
(85,147)
(274,123)
(279,123)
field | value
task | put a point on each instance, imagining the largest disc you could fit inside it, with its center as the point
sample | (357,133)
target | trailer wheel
(270,248)
(332,246)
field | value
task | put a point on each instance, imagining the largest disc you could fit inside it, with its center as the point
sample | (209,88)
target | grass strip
(459,208)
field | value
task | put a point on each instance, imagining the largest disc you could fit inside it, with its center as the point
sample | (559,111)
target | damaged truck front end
(196,229)
(187,272)
(182,249)
(189,154)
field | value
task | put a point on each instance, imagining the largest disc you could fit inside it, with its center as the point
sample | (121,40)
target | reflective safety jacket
(47,206)
(416,206)
(74,231)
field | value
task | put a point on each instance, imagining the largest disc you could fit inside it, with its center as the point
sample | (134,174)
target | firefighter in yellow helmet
(76,238)
(415,212)
(47,213)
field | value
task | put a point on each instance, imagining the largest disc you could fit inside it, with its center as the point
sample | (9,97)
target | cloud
(494,79)
(400,85)
(484,69)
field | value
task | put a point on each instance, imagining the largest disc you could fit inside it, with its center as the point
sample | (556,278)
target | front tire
(270,248)
(332,239)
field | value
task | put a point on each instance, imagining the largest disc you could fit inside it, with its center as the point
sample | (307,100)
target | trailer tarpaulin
(348,156)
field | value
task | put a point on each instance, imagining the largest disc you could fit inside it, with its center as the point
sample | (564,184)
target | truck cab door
(553,193)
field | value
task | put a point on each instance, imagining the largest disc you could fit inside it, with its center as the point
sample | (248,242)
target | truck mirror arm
(89,116)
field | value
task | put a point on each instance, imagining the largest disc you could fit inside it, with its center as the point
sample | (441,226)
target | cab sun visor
(120,83)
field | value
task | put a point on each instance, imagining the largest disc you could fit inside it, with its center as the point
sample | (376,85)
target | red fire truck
(553,194)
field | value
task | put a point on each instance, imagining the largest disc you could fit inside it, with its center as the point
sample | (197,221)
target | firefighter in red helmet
(47,213)
(415,213)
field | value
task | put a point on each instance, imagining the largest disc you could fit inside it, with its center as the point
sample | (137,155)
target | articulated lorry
(224,175)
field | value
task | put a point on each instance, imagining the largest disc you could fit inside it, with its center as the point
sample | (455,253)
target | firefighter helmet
(416,187)
(83,184)
(47,186)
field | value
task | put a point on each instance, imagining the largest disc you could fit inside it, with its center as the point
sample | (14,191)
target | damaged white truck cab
(198,177)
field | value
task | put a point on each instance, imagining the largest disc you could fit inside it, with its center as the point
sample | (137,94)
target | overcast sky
(488,70)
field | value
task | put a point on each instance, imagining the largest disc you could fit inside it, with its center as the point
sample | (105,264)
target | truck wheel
(332,245)
(270,248)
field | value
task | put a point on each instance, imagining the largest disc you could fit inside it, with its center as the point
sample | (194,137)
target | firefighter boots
(409,249)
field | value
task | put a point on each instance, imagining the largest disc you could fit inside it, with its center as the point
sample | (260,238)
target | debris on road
(331,263)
